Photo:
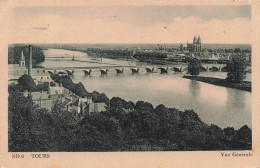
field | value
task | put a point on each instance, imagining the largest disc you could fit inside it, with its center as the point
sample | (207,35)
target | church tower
(22,60)
(199,44)
(194,44)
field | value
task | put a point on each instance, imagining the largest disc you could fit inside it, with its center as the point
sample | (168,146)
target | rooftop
(40,95)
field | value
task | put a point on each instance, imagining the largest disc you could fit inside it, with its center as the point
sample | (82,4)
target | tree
(19,121)
(26,81)
(236,69)
(42,87)
(14,53)
(52,83)
(99,97)
(194,67)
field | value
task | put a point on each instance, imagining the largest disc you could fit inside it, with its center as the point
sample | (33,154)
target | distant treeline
(117,53)
(124,126)
(14,54)
(111,53)
(149,55)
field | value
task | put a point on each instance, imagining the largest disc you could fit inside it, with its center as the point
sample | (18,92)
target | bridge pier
(164,70)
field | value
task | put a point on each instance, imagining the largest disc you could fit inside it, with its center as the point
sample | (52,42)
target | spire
(22,56)
(194,40)
(199,39)
(22,60)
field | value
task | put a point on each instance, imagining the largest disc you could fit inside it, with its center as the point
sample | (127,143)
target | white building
(15,71)
(95,108)
(42,99)
(40,76)
(82,105)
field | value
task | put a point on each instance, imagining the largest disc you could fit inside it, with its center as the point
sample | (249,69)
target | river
(225,107)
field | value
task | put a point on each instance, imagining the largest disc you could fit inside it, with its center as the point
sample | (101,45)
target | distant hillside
(14,53)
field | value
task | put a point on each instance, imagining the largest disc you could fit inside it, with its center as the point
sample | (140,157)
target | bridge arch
(214,69)
(70,72)
(177,69)
(119,70)
(87,72)
(135,70)
(224,69)
(103,71)
(203,69)
(163,70)
(150,70)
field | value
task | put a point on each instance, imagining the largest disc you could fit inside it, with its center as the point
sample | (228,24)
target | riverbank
(245,85)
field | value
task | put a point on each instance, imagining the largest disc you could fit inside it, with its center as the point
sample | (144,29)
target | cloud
(102,30)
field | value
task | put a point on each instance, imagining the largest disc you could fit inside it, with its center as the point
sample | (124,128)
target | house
(81,103)
(67,104)
(41,76)
(95,108)
(42,99)
(84,105)
(56,90)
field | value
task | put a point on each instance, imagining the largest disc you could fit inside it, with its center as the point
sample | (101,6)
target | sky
(131,24)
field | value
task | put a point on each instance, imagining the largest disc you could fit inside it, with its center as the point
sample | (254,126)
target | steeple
(22,60)
(22,56)
(199,40)
(194,40)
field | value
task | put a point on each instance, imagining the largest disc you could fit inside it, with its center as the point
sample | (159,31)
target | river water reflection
(222,106)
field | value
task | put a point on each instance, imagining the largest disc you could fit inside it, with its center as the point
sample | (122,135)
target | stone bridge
(136,69)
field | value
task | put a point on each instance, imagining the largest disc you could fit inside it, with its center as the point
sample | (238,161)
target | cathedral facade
(192,47)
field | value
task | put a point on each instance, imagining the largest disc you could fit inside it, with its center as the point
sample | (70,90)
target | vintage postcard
(130,84)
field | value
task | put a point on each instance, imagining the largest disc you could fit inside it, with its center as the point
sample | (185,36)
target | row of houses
(58,96)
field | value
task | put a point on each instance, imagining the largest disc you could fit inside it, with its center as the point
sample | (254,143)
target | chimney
(30,61)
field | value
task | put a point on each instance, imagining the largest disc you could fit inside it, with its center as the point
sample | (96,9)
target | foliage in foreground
(124,127)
